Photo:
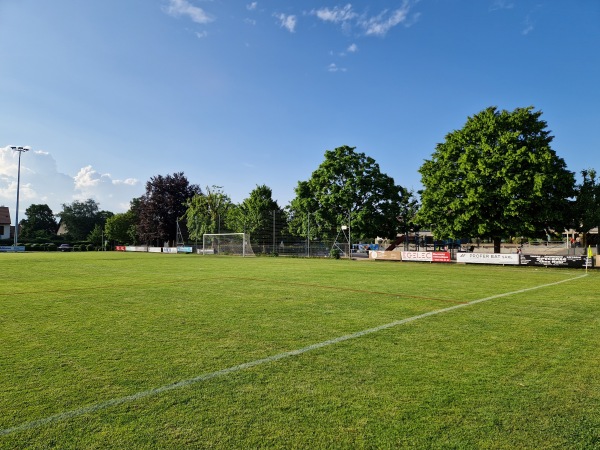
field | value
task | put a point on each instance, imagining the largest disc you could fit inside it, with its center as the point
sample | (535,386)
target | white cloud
(501,4)
(353,48)
(335,68)
(87,177)
(381,24)
(42,183)
(178,8)
(336,15)
(127,181)
(377,25)
(286,21)
(252,6)
(528,26)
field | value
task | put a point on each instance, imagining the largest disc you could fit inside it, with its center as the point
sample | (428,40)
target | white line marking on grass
(180,384)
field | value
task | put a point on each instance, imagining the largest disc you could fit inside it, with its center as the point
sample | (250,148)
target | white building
(5,227)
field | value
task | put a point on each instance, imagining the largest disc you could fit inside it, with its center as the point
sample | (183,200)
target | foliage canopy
(205,211)
(40,222)
(496,177)
(348,188)
(163,204)
(80,218)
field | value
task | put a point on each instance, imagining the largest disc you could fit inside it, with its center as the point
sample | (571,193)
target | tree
(40,222)
(206,211)
(80,218)
(119,228)
(587,203)
(497,177)
(163,204)
(259,215)
(96,236)
(348,188)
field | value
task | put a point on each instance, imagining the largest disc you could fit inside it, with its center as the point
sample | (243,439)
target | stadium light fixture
(20,150)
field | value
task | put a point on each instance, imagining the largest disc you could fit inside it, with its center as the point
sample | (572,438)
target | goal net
(237,244)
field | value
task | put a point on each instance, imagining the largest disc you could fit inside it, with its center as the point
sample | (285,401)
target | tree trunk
(497,245)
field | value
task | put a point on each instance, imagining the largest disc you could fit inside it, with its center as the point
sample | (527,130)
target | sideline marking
(180,384)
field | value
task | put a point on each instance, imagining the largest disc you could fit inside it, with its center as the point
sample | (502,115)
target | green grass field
(121,350)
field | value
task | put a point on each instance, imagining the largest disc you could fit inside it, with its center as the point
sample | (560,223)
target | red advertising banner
(120,248)
(440,257)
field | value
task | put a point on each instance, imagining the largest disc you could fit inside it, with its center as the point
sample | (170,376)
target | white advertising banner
(132,248)
(488,258)
(169,249)
(154,249)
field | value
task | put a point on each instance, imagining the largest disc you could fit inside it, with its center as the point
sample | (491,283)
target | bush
(335,253)
(51,247)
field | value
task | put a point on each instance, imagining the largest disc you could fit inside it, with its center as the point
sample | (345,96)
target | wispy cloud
(252,6)
(353,48)
(378,25)
(528,26)
(286,21)
(336,14)
(333,67)
(501,4)
(177,8)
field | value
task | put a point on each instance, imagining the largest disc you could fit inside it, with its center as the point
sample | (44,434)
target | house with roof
(5,228)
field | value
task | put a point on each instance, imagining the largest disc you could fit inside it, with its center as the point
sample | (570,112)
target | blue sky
(239,93)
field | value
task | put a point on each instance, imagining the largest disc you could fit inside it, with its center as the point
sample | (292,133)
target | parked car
(65,248)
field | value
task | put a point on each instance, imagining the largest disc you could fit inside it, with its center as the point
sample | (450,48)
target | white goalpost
(237,244)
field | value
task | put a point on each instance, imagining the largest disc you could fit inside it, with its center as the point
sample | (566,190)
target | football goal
(237,244)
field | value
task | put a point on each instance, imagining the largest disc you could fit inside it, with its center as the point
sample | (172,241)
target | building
(5,228)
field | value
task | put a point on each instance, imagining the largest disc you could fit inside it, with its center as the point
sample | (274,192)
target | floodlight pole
(20,150)
(350,234)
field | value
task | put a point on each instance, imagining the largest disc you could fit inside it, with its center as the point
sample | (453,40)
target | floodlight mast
(20,150)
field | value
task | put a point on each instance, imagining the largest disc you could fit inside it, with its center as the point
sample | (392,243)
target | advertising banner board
(488,258)
(426,256)
(383,255)
(120,248)
(133,248)
(555,260)
(10,248)
(154,249)
(169,249)
(184,249)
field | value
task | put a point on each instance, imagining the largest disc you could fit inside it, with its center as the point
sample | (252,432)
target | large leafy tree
(80,218)
(588,201)
(163,204)
(348,188)
(259,215)
(120,228)
(40,222)
(206,212)
(496,177)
